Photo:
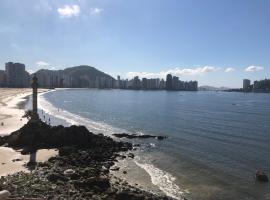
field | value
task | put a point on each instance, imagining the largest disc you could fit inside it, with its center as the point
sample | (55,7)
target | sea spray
(164,180)
(74,119)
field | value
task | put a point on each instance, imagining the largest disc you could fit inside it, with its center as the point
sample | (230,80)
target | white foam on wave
(160,178)
(164,180)
(74,119)
(152,144)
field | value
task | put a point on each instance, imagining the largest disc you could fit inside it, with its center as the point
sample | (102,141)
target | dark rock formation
(39,135)
(87,155)
(261,176)
(132,136)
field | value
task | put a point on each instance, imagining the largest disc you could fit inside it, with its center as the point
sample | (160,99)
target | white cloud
(254,68)
(30,71)
(175,72)
(95,11)
(42,64)
(69,11)
(229,69)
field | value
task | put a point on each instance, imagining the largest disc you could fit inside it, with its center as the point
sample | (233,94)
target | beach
(11,112)
(12,101)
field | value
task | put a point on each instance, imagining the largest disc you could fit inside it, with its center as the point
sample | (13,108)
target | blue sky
(217,42)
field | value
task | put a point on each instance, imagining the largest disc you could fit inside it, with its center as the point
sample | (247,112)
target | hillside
(79,76)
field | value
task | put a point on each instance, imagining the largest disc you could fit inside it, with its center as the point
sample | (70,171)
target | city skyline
(84,76)
(59,78)
(216,43)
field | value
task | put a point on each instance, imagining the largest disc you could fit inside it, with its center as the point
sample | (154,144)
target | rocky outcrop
(132,136)
(39,135)
(80,171)
(90,179)
(261,176)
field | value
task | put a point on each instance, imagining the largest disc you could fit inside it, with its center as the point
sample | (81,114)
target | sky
(217,42)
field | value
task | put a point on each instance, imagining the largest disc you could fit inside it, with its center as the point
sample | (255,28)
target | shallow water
(216,140)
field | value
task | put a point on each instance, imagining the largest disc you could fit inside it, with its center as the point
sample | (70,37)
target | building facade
(16,76)
(169,82)
(246,85)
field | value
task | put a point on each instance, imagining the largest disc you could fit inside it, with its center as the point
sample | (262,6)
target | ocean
(216,140)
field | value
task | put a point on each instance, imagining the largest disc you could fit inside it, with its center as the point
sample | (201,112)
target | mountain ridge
(77,76)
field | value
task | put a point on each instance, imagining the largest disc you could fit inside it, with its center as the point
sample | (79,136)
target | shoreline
(136,175)
(133,182)
(90,157)
(12,110)
(12,106)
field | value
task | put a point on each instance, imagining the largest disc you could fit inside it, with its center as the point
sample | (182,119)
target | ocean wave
(73,119)
(160,178)
(164,180)
(152,144)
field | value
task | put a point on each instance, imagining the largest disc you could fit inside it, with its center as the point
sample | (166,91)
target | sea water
(216,140)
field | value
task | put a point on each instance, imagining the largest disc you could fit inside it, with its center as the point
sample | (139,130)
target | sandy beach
(12,161)
(11,112)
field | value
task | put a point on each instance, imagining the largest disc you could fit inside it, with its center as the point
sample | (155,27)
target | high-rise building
(16,75)
(162,84)
(175,81)
(169,82)
(144,83)
(246,85)
(136,83)
(2,78)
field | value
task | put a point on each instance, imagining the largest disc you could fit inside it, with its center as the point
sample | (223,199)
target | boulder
(4,194)
(115,168)
(54,177)
(261,176)
(131,155)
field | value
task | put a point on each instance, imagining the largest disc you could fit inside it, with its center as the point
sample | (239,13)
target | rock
(86,155)
(4,194)
(100,182)
(54,177)
(115,168)
(16,160)
(65,151)
(3,140)
(261,176)
(132,136)
(69,172)
(131,155)
(124,195)
(161,137)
